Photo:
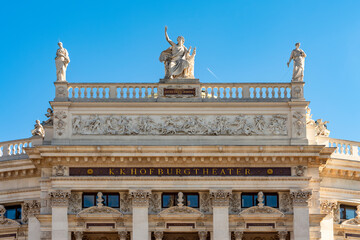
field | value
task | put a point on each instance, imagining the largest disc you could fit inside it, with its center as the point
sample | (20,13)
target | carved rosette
(328,207)
(220,198)
(140,198)
(158,235)
(238,235)
(30,209)
(203,235)
(301,198)
(59,122)
(59,198)
(122,235)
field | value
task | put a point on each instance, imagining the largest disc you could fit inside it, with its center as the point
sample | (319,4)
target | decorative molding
(99,210)
(257,210)
(301,197)
(354,221)
(125,203)
(59,198)
(78,235)
(180,210)
(30,209)
(180,125)
(205,202)
(75,202)
(5,222)
(285,202)
(155,203)
(60,122)
(238,235)
(299,123)
(158,235)
(300,170)
(203,235)
(282,235)
(140,198)
(123,235)
(235,203)
(220,198)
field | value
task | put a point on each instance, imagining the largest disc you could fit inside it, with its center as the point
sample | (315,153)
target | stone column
(32,208)
(78,235)
(220,202)
(282,235)
(122,235)
(238,235)
(301,214)
(140,204)
(59,208)
(158,235)
(327,224)
(203,235)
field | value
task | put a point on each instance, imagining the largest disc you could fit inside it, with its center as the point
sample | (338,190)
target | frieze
(246,125)
(180,171)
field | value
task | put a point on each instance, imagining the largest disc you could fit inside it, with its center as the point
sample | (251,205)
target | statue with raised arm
(38,130)
(298,57)
(61,61)
(178,61)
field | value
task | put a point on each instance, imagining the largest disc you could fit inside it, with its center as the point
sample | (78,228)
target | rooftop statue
(38,130)
(178,61)
(61,61)
(298,57)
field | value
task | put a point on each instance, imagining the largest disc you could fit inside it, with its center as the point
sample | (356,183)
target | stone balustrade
(98,92)
(345,149)
(14,149)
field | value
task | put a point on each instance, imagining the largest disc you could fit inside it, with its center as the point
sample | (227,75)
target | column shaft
(140,203)
(220,200)
(59,216)
(301,214)
(33,228)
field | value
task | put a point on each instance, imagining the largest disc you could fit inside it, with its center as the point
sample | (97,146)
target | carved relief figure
(61,61)
(178,61)
(38,130)
(298,57)
(50,115)
(321,128)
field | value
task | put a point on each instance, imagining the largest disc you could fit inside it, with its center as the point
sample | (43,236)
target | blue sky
(120,41)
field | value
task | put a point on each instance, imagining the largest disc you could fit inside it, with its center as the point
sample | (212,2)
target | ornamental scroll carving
(220,198)
(125,203)
(30,209)
(301,197)
(155,203)
(140,198)
(285,202)
(235,203)
(205,202)
(328,207)
(299,123)
(246,125)
(75,204)
(60,123)
(59,198)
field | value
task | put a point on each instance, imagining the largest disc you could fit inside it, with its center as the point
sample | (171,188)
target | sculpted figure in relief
(178,61)
(38,129)
(298,57)
(50,115)
(61,61)
(321,128)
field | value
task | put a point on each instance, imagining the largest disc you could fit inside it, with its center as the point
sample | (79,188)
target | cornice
(340,173)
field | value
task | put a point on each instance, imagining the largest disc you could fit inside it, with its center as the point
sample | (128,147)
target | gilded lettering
(238,171)
(230,171)
(222,172)
(247,171)
(196,171)
(206,171)
(178,171)
(111,172)
(143,171)
(214,171)
(151,170)
(187,171)
(133,171)
(160,171)
(122,171)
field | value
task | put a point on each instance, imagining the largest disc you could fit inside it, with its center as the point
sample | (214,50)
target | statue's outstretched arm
(291,57)
(167,37)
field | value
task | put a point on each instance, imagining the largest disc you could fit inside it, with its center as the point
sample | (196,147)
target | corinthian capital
(327,206)
(31,208)
(220,198)
(140,198)
(59,198)
(301,197)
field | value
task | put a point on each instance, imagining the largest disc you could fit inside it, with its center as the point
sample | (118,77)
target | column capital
(59,198)
(300,197)
(220,198)
(282,235)
(327,206)
(78,235)
(203,235)
(140,198)
(31,208)
(238,235)
(122,235)
(158,235)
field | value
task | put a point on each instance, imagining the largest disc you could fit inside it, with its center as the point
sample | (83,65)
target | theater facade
(179,159)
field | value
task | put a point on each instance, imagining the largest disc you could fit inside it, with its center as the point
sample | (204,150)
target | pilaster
(220,203)
(140,204)
(59,203)
(32,208)
(301,224)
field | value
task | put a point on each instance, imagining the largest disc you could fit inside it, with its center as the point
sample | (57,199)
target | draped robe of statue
(175,61)
(298,57)
(61,61)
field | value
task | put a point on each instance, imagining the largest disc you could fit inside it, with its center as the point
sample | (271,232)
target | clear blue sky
(120,41)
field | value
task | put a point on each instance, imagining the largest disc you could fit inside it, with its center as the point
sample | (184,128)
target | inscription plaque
(180,171)
(179,92)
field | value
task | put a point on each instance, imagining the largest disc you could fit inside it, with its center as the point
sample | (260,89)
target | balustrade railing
(14,148)
(209,91)
(345,149)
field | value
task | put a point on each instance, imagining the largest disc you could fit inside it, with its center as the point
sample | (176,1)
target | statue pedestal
(179,89)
